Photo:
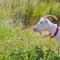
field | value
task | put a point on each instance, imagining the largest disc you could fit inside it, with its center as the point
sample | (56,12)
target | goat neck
(52,28)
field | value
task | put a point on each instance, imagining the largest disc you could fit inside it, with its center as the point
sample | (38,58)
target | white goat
(46,24)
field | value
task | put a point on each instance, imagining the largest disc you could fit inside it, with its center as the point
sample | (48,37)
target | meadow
(16,44)
(17,39)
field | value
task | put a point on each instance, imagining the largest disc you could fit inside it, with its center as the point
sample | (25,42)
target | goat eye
(41,22)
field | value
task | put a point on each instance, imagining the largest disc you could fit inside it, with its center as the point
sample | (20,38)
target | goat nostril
(33,28)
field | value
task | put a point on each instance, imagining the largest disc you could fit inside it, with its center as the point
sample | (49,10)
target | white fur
(45,24)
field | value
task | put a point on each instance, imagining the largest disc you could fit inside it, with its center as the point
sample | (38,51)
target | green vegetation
(24,44)
(27,11)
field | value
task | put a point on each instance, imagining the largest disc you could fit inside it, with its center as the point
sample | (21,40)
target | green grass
(18,44)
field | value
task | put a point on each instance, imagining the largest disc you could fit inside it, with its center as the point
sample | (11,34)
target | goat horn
(53,17)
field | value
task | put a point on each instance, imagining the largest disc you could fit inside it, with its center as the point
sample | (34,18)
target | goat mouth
(35,30)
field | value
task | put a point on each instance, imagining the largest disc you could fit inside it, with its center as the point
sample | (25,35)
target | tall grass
(17,44)
(27,11)
(25,45)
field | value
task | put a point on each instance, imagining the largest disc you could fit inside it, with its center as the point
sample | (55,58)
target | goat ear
(45,20)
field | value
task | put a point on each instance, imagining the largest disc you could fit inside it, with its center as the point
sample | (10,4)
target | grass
(18,44)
